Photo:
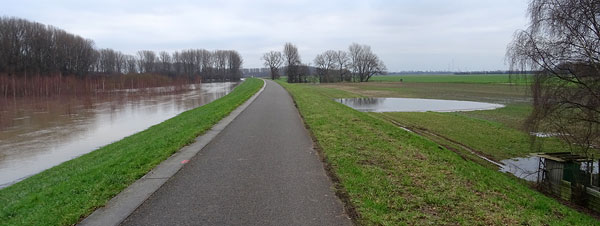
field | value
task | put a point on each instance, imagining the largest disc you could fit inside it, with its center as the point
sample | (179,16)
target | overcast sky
(407,34)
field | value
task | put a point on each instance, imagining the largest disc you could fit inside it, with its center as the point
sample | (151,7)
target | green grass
(72,190)
(474,78)
(498,134)
(393,177)
(513,115)
(494,93)
(492,138)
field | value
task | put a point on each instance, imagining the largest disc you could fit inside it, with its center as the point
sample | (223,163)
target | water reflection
(525,168)
(528,167)
(38,134)
(414,105)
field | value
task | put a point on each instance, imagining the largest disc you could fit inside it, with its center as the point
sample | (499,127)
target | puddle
(524,168)
(414,105)
(544,135)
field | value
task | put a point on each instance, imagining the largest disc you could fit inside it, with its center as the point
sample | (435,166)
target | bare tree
(33,49)
(342,62)
(292,62)
(165,62)
(220,63)
(207,63)
(562,44)
(326,65)
(146,59)
(120,63)
(364,63)
(130,64)
(273,60)
(234,66)
(110,62)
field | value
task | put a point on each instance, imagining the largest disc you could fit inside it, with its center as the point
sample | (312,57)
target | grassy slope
(65,193)
(475,78)
(394,177)
(493,139)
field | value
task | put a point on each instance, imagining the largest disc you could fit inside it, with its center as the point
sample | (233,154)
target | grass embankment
(473,78)
(491,138)
(65,193)
(394,177)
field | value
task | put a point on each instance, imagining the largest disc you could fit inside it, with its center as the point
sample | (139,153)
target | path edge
(342,194)
(127,201)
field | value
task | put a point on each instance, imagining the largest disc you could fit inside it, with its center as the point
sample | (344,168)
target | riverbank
(41,133)
(390,175)
(72,190)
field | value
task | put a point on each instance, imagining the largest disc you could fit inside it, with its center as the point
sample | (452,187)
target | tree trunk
(14,87)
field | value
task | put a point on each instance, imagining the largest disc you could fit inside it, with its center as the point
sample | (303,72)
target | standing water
(38,134)
(414,105)
(526,168)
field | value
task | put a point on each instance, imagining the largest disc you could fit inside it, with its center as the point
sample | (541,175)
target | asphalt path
(260,170)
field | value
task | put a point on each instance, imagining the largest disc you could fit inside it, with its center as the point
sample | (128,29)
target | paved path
(260,170)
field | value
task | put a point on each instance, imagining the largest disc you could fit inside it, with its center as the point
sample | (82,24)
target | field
(491,138)
(493,93)
(497,134)
(72,190)
(474,78)
(389,175)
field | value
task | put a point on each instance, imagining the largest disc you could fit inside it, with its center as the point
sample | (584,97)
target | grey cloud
(408,34)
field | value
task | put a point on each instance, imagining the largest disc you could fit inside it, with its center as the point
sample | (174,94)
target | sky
(408,35)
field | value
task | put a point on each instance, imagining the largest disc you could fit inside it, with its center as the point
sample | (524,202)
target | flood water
(38,134)
(524,168)
(414,105)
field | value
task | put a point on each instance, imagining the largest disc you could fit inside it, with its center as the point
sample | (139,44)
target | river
(37,134)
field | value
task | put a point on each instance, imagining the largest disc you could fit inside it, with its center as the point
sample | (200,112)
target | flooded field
(414,105)
(36,134)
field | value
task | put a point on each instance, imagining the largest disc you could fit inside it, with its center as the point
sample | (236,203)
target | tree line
(218,65)
(358,64)
(34,49)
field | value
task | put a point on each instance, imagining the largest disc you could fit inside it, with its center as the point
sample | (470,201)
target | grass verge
(393,177)
(72,190)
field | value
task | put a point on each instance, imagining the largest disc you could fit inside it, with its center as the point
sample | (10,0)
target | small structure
(557,166)
(569,176)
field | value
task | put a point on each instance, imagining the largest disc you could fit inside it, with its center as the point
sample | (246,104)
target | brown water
(36,134)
